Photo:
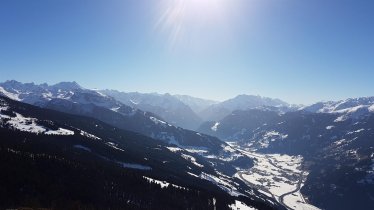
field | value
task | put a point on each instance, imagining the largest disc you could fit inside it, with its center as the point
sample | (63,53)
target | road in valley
(270,179)
(298,187)
(281,197)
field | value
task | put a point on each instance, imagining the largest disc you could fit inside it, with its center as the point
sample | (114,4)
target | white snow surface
(114,146)
(371,108)
(215,126)
(356,131)
(192,159)
(132,101)
(192,174)
(165,136)
(88,135)
(349,108)
(271,136)
(294,202)
(174,149)
(228,148)
(10,95)
(27,124)
(238,205)
(196,150)
(158,121)
(115,109)
(60,131)
(221,182)
(163,184)
(275,175)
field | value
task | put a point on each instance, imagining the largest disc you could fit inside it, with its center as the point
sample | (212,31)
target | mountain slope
(354,108)
(196,104)
(338,155)
(239,124)
(218,111)
(55,160)
(71,98)
(166,106)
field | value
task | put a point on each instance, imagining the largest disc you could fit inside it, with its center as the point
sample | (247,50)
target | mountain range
(83,162)
(249,151)
(178,110)
(168,107)
(337,147)
(62,161)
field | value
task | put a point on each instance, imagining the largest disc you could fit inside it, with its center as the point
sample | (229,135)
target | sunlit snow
(238,205)
(215,126)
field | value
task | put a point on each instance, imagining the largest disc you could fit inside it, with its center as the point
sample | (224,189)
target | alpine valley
(64,146)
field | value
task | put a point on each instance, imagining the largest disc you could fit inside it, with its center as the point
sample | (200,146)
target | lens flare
(178,19)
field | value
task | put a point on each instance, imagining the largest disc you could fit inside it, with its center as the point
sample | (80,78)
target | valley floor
(278,176)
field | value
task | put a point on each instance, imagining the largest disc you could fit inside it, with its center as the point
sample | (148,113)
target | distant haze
(298,51)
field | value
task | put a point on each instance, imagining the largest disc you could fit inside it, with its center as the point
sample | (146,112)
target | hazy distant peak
(67,85)
(188,97)
(196,104)
(218,111)
(13,83)
(250,101)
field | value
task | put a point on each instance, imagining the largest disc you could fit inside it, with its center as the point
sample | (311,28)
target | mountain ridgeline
(73,99)
(56,160)
(166,106)
(338,149)
(201,153)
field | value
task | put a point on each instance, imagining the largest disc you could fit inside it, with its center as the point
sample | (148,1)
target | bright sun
(176,17)
(205,3)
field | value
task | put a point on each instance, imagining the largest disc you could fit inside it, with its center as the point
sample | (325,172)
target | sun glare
(178,17)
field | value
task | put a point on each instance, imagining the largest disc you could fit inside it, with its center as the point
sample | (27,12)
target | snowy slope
(196,104)
(183,167)
(71,98)
(216,112)
(353,108)
(166,106)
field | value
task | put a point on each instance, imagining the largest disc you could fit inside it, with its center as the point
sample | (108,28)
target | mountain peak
(12,82)
(67,85)
(254,100)
(246,96)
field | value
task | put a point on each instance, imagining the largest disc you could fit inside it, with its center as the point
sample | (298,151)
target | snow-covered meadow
(278,176)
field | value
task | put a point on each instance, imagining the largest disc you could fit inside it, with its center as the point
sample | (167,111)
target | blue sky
(301,51)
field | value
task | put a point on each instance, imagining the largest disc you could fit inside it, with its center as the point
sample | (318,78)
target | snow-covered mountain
(324,151)
(59,160)
(196,104)
(218,111)
(338,154)
(168,107)
(353,108)
(71,98)
(32,93)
